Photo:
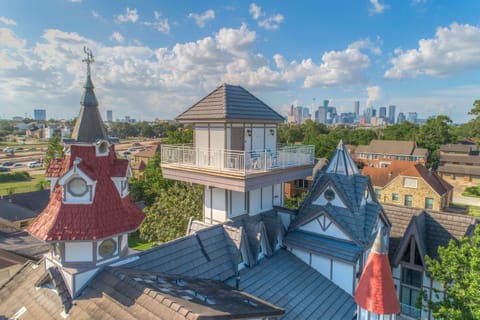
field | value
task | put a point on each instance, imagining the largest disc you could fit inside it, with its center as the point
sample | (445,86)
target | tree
(458,271)
(403,132)
(168,217)
(180,136)
(54,150)
(150,184)
(474,124)
(435,132)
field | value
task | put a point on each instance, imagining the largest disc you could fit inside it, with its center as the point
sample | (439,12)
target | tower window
(107,248)
(77,187)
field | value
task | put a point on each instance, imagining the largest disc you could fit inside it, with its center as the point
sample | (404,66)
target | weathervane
(89,59)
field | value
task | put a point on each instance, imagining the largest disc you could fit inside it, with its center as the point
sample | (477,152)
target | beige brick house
(410,184)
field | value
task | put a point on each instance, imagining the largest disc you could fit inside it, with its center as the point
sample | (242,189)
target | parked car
(8,149)
(19,149)
(8,163)
(18,165)
(34,164)
(3,169)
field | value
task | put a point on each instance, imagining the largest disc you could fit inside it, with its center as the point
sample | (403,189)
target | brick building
(459,162)
(411,185)
(380,153)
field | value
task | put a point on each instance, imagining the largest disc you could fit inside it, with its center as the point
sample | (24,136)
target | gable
(329,196)
(323,225)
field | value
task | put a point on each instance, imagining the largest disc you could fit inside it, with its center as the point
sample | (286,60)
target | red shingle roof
(376,291)
(382,176)
(108,215)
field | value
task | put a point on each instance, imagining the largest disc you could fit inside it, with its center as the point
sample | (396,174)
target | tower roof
(342,162)
(230,103)
(376,291)
(89,126)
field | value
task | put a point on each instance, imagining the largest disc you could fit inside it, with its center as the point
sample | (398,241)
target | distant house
(298,187)
(380,153)
(141,159)
(459,162)
(21,208)
(416,233)
(411,185)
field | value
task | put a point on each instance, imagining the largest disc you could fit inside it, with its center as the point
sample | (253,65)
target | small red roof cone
(376,291)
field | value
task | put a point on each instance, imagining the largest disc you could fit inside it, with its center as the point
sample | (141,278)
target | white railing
(410,311)
(241,162)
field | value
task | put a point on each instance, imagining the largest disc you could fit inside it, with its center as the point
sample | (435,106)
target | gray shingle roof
(14,212)
(35,200)
(207,254)
(117,293)
(289,283)
(21,243)
(229,103)
(348,252)
(89,126)
(356,220)
(458,148)
(459,169)
(438,228)
(450,158)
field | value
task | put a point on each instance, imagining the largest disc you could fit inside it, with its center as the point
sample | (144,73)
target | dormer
(120,176)
(329,196)
(77,186)
(102,148)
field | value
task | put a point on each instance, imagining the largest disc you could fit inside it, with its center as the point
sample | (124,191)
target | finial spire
(342,162)
(89,58)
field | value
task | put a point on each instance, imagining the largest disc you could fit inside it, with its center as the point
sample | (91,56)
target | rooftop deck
(240,163)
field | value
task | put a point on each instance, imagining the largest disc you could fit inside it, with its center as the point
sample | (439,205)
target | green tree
(54,149)
(403,132)
(150,184)
(458,271)
(435,132)
(180,136)
(168,217)
(474,124)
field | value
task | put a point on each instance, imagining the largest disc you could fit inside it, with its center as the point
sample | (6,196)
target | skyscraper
(382,112)
(40,114)
(356,108)
(391,114)
(412,117)
(109,116)
(400,118)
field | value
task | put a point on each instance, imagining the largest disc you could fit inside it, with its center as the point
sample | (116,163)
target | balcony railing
(240,162)
(410,311)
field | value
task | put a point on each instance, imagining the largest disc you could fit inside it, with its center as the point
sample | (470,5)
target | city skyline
(154,60)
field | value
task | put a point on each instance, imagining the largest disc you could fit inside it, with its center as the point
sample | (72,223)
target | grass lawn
(136,243)
(474,211)
(21,186)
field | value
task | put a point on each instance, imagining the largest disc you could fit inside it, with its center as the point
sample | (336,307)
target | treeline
(435,132)
(142,129)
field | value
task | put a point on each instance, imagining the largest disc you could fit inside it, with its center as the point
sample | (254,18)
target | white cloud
(130,15)
(162,80)
(75,1)
(267,22)
(8,21)
(117,37)
(255,11)
(272,22)
(9,38)
(374,93)
(160,24)
(454,49)
(366,44)
(377,7)
(201,19)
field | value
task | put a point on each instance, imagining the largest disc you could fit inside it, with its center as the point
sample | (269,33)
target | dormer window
(102,148)
(77,187)
(107,248)
(329,195)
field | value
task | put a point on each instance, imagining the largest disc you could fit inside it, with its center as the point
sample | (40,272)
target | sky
(154,59)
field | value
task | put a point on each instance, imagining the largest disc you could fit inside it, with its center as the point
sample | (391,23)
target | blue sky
(154,59)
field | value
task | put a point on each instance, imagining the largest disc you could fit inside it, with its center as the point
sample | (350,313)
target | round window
(107,248)
(329,195)
(77,187)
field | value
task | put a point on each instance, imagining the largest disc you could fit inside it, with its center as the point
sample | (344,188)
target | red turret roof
(376,291)
(109,214)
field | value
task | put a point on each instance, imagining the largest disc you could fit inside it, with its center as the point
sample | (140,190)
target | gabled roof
(357,220)
(391,147)
(417,229)
(458,148)
(21,242)
(471,159)
(208,254)
(376,291)
(35,200)
(149,152)
(381,177)
(459,169)
(89,126)
(109,214)
(230,103)
(14,212)
(440,227)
